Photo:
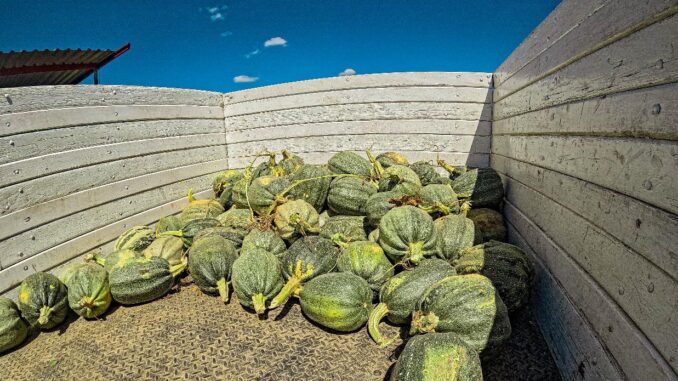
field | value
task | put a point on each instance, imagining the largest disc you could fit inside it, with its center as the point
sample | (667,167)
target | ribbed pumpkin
(455,233)
(367,260)
(262,195)
(110,261)
(347,162)
(437,356)
(373,236)
(380,203)
(195,227)
(507,266)
(198,209)
(43,300)
(407,233)
(467,305)
(137,238)
(210,262)
(223,186)
(339,301)
(438,199)
(348,195)
(399,295)
(256,278)
(482,186)
(168,223)
(344,228)
(290,163)
(490,223)
(140,280)
(172,249)
(399,178)
(295,218)
(234,235)
(238,219)
(89,293)
(266,240)
(388,159)
(312,191)
(13,329)
(426,172)
(307,258)
(267,168)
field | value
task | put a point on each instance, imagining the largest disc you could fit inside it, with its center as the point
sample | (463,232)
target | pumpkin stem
(222,287)
(416,252)
(465,207)
(45,311)
(190,195)
(259,302)
(376,315)
(447,167)
(96,258)
(442,208)
(293,285)
(378,168)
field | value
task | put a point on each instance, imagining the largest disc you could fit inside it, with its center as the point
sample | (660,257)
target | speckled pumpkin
(312,191)
(295,218)
(237,219)
(399,178)
(438,199)
(210,262)
(223,186)
(262,195)
(347,162)
(256,278)
(136,238)
(89,293)
(13,329)
(388,159)
(407,234)
(481,186)
(290,163)
(348,195)
(264,239)
(168,223)
(232,234)
(427,173)
(490,223)
(43,300)
(367,260)
(455,233)
(140,280)
(344,228)
(199,209)
(379,204)
(172,249)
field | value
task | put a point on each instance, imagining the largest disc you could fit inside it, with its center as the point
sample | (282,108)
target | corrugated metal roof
(52,67)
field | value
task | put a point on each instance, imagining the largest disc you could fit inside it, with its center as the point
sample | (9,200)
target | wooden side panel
(584,136)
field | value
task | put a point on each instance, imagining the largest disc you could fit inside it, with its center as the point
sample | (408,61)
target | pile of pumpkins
(357,240)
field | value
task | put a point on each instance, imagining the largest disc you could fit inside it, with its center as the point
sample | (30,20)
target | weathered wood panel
(481,80)
(640,168)
(645,58)
(635,355)
(646,293)
(648,231)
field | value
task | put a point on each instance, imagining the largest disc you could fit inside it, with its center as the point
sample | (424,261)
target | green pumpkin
(339,301)
(237,219)
(481,186)
(195,227)
(426,172)
(367,260)
(262,196)
(166,224)
(266,240)
(467,305)
(399,295)
(438,199)
(267,168)
(210,261)
(290,163)
(199,209)
(295,218)
(234,235)
(388,159)
(490,223)
(89,293)
(113,260)
(312,191)
(223,186)
(507,266)
(380,203)
(256,278)
(348,195)
(140,280)
(344,228)
(137,238)
(307,258)
(373,236)
(407,233)
(13,329)
(399,178)
(347,162)
(43,300)
(437,356)
(455,233)
(172,249)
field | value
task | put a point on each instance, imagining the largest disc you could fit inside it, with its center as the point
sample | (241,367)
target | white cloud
(275,41)
(216,16)
(212,9)
(347,72)
(252,53)
(226,34)
(244,79)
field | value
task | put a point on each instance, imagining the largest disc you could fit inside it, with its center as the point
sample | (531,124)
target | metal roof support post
(96,76)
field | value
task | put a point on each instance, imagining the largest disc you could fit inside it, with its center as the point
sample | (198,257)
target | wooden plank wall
(81,164)
(419,114)
(584,134)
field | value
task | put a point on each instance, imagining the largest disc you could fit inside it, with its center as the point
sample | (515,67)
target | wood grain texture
(648,231)
(466,79)
(368,95)
(635,355)
(358,112)
(36,215)
(31,98)
(643,113)
(640,168)
(645,58)
(13,275)
(607,23)
(396,127)
(647,294)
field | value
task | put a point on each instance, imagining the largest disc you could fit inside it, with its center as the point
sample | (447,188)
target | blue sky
(206,44)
